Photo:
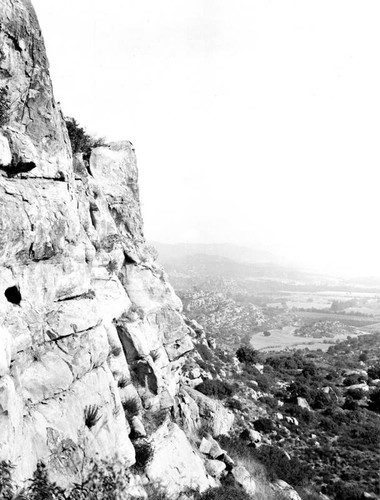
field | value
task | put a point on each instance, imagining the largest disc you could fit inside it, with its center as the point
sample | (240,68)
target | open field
(325,299)
(346,319)
(283,339)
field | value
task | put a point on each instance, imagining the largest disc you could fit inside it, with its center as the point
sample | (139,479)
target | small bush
(37,354)
(41,488)
(374,371)
(111,266)
(144,454)
(215,388)
(152,420)
(6,482)
(131,407)
(225,492)
(81,142)
(155,492)
(264,425)
(269,401)
(280,467)
(374,401)
(205,352)
(155,355)
(356,394)
(350,404)
(305,417)
(116,411)
(123,382)
(234,404)
(116,351)
(344,491)
(353,379)
(89,295)
(92,415)
(321,400)
(105,481)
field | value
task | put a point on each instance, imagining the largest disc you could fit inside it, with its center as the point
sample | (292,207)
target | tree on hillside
(246,354)
(374,401)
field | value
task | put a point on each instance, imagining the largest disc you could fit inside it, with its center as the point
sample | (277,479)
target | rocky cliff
(89,325)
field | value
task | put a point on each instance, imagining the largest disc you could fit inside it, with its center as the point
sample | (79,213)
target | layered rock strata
(88,321)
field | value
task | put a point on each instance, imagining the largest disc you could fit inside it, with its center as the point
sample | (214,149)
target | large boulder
(218,419)
(287,492)
(175,465)
(244,478)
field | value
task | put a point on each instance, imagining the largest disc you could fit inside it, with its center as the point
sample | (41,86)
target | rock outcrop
(88,320)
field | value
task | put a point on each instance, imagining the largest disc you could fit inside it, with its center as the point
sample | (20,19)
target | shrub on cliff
(205,352)
(225,492)
(272,460)
(264,382)
(144,454)
(4,107)
(81,142)
(374,401)
(344,491)
(6,482)
(105,480)
(374,371)
(92,415)
(41,488)
(356,393)
(264,425)
(279,466)
(215,389)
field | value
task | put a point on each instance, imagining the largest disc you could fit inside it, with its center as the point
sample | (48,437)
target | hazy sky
(255,122)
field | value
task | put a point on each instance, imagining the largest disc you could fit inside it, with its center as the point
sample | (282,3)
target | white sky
(255,122)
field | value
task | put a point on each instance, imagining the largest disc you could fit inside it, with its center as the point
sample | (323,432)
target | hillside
(311,417)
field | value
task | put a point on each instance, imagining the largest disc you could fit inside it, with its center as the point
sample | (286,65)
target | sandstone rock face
(88,320)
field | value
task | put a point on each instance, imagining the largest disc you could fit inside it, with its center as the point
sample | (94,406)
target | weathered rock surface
(176,466)
(88,320)
(243,477)
(302,403)
(286,490)
(218,418)
(251,435)
(215,467)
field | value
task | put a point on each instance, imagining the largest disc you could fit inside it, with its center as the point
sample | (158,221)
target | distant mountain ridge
(170,252)
(216,266)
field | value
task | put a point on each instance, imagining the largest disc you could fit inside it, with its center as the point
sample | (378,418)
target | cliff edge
(89,325)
